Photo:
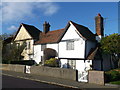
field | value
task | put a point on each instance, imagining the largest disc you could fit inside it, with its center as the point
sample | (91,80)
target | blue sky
(58,14)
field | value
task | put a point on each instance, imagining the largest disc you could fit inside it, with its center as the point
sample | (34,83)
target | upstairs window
(43,46)
(70,45)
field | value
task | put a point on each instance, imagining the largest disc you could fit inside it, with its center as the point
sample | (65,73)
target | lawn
(115,82)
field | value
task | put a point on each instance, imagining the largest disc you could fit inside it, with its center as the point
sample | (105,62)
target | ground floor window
(71,64)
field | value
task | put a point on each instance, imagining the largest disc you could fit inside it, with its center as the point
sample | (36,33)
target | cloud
(12,28)
(17,10)
(48,8)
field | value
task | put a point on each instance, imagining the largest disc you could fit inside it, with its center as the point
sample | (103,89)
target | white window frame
(70,45)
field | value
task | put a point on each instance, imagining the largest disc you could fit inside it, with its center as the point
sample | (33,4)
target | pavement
(60,82)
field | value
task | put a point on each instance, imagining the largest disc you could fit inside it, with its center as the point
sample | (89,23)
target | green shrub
(52,62)
(112,75)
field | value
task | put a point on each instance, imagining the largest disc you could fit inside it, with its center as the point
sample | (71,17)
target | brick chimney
(46,27)
(99,27)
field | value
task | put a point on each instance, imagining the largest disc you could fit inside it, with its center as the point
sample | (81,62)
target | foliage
(12,52)
(52,62)
(24,62)
(115,82)
(112,75)
(111,45)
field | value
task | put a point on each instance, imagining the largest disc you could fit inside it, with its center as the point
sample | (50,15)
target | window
(43,47)
(28,45)
(71,64)
(70,45)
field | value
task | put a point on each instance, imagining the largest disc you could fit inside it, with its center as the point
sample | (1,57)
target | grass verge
(115,82)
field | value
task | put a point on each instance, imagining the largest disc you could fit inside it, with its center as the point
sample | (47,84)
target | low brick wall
(46,71)
(16,68)
(96,77)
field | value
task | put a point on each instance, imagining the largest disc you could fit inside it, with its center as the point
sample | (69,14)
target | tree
(12,52)
(111,45)
(2,38)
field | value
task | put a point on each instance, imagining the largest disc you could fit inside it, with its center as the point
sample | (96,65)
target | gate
(83,76)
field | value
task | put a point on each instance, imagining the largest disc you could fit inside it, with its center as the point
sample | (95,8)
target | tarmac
(61,82)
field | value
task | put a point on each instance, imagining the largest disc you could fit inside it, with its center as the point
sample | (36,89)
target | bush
(112,75)
(52,62)
(5,62)
(24,62)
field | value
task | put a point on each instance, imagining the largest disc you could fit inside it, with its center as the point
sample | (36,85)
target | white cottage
(76,47)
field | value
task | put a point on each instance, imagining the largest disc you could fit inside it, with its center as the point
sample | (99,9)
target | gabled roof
(56,35)
(92,53)
(84,31)
(32,30)
(50,36)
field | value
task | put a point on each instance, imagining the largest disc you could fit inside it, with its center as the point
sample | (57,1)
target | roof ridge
(78,24)
(27,24)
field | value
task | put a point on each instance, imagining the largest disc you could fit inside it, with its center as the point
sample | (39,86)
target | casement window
(71,64)
(43,46)
(70,45)
(29,45)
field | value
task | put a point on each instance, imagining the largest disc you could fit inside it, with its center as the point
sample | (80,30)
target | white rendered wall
(37,53)
(71,33)
(53,46)
(80,65)
(79,45)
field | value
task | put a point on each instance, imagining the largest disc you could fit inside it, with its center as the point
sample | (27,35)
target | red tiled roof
(56,36)
(50,36)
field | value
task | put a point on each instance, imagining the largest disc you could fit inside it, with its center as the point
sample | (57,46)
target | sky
(58,14)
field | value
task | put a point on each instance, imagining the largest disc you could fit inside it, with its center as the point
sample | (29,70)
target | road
(13,82)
